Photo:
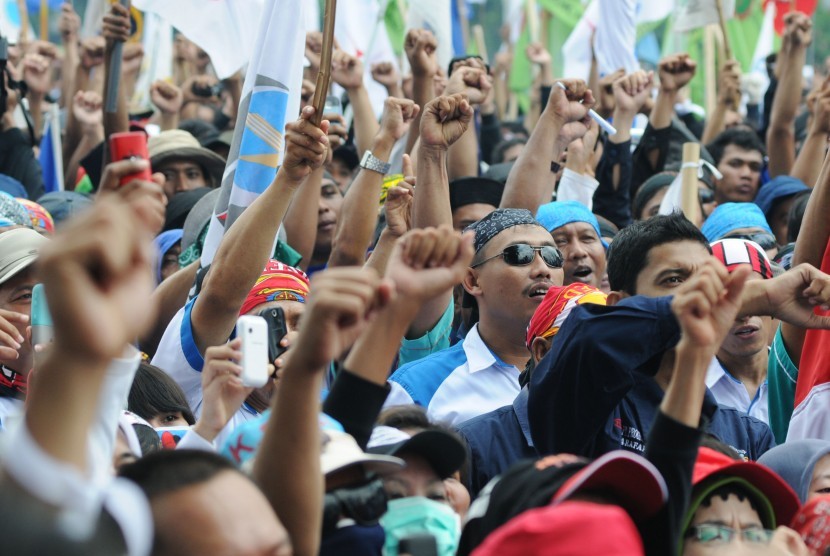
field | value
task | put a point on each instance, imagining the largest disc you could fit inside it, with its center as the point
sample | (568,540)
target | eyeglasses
(706,196)
(523,254)
(765,240)
(718,534)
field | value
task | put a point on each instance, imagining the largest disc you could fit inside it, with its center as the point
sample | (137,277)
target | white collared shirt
(731,392)
(456,384)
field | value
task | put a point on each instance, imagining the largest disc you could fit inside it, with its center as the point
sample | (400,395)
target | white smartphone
(253,331)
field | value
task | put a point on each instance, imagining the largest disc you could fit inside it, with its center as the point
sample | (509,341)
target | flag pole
(321,88)
(114,75)
(24,20)
(722,22)
(44,20)
(481,46)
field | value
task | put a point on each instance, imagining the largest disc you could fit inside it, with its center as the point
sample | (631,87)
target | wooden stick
(710,74)
(24,20)
(688,175)
(531,15)
(478,35)
(44,20)
(321,89)
(722,23)
(465,23)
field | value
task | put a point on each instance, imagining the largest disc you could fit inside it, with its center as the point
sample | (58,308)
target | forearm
(301,219)
(382,251)
(531,182)
(365,122)
(36,102)
(71,61)
(684,396)
(288,466)
(715,122)
(432,196)
(372,355)
(168,297)
(242,254)
(463,155)
(169,120)
(359,214)
(807,167)
(60,392)
(423,91)
(89,140)
(661,114)
(781,134)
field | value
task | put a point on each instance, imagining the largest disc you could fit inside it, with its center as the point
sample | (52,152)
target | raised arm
(287,467)
(359,214)
(476,85)
(791,59)
(729,89)
(420,46)
(347,71)
(386,74)
(168,99)
(246,246)
(564,119)
(69,26)
(807,167)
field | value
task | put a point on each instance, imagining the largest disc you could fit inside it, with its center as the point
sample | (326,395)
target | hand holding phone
(253,331)
(130,145)
(277,329)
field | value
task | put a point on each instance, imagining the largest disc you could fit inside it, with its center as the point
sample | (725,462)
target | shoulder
(486,421)
(443,361)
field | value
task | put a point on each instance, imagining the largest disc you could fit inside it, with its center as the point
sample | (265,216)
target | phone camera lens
(250,330)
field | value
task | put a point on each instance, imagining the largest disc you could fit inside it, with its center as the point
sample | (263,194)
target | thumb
(408,170)
(736,283)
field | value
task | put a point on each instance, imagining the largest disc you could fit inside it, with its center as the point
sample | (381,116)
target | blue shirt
(495,441)
(594,391)
(456,384)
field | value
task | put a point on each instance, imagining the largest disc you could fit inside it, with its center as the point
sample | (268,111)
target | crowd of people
(498,338)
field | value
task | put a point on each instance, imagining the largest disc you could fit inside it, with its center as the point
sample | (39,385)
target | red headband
(735,251)
(557,305)
(278,282)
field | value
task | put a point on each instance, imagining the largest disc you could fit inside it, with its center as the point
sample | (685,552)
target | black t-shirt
(17,160)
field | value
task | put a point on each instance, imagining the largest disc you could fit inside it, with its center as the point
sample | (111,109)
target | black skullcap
(649,189)
(499,220)
(471,190)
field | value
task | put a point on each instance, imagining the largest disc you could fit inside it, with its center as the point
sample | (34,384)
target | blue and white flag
(270,98)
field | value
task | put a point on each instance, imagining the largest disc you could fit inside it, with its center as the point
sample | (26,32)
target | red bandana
(14,381)
(557,305)
(278,282)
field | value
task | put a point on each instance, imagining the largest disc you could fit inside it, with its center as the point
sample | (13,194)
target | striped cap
(733,251)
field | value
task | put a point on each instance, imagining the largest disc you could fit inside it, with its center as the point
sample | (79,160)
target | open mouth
(582,272)
(746,331)
(538,291)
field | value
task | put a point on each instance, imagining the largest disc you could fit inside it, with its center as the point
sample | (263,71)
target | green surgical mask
(419,515)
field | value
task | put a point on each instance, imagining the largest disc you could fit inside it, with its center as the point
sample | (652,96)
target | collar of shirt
(479,355)
(716,372)
(520,410)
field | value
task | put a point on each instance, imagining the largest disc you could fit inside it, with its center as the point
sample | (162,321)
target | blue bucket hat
(559,213)
(732,216)
(778,188)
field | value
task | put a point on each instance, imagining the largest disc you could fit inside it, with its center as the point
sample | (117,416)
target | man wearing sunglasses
(515,264)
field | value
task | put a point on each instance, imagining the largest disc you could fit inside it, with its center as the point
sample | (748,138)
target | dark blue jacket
(495,441)
(594,391)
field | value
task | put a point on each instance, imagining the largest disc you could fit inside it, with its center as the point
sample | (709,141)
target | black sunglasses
(765,240)
(523,254)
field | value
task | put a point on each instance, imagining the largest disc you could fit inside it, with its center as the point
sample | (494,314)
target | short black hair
(796,216)
(740,137)
(405,417)
(501,147)
(629,252)
(167,471)
(154,392)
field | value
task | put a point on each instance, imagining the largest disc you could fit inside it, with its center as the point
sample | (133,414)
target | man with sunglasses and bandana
(515,264)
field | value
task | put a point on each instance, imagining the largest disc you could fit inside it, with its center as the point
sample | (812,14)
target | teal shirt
(782,374)
(434,340)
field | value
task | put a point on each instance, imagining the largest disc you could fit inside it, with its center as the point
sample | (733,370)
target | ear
(615,297)
(470,283)
(539,348)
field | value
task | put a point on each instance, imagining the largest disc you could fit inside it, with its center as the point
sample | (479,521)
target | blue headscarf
(732,216)
(559,213)
(163,242)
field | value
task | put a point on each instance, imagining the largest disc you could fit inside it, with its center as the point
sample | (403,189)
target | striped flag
(811,418)
(270,97)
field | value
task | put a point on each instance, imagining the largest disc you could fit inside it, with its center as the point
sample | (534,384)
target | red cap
(784,501)
(567,529)
(557,305)
(813,524)
(278,282)
(631,479)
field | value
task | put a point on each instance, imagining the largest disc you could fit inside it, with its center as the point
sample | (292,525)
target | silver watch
(373,163)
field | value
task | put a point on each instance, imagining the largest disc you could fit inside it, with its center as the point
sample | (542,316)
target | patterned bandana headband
(278,282)
(497,221)
(733,252)
(557,305)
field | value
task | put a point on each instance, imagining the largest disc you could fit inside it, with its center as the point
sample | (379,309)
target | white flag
(700,13)
(616,36)
(157,40)
(435,15)
(270,97)
(222,28)
(577,49)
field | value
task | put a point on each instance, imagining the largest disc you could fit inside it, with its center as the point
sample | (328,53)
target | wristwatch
(373,163)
